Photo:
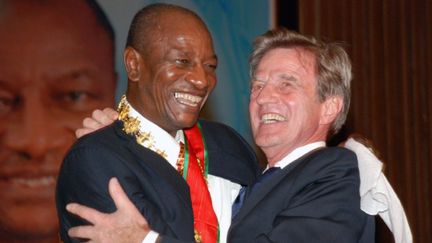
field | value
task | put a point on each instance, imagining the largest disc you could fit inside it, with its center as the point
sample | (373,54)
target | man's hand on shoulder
(124,225)
(99,119)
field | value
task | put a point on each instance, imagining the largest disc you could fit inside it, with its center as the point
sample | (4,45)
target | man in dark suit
(170,165)
(300,94)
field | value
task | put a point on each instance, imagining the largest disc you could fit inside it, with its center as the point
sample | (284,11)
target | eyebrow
(256,79)
(189,53)
(287,77)
(282,76)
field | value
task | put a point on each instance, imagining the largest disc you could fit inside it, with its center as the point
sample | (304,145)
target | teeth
(187,99)
(272,118)
(35,182)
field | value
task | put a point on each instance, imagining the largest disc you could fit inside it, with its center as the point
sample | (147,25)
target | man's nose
(197,76)
(267,94)
(33,133)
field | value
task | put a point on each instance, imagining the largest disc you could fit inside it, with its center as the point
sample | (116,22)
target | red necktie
(205,220)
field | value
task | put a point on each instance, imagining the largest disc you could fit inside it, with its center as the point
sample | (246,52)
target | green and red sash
(195,171)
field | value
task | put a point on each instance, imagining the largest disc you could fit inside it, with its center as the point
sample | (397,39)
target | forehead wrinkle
(306,59)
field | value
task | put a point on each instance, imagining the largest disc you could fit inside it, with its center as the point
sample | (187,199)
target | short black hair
(147,20)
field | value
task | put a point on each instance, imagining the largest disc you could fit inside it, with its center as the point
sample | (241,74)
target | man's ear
(133,63)
(332,106)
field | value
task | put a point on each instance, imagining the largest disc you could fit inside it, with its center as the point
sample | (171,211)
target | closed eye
(211,66)
(256,86)
(182,61)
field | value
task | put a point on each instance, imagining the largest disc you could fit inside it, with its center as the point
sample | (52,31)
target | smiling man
(182,174)
(56,66)
(300,96)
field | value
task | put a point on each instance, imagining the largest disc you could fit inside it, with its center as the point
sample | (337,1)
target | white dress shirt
(297,153)
(222,191)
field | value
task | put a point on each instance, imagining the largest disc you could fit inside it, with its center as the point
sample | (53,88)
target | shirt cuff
(151,237)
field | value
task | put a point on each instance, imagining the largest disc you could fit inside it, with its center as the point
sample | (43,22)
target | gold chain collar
(131,126)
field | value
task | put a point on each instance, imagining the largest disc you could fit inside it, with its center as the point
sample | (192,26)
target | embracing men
(300,95)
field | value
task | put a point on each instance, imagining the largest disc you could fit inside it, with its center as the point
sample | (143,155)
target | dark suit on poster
(154,186)
(313,199)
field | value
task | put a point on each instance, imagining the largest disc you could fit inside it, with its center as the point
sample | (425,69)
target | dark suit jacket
(314,199)
(154,186)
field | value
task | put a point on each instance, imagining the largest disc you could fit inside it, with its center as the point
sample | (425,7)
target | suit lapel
(159,165)
(260,193)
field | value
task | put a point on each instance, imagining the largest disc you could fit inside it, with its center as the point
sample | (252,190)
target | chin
(187,122)
(266,141)
(37,222)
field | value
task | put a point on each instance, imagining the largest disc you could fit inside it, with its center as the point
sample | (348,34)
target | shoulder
(102,147)
(110,139)
(107,136)
(219,136)
(231,157)
(329,164)
(219,130)
(332,156)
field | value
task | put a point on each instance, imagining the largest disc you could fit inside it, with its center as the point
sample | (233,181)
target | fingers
(82,131)
(99,119)
(84,232)
(112,114)
(123,203)
(117,193)
(104,117)
(91,123)
(89,214)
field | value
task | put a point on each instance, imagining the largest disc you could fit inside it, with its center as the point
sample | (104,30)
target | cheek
(69,121)
(171,73)
(254,117)
(212,80)
(164,80)
(168,72)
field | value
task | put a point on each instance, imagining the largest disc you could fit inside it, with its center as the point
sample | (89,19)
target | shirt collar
(161,139)
(299,152)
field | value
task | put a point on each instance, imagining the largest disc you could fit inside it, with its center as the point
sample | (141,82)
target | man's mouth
(272,118)
(35,182)
(31,182)
(188,99)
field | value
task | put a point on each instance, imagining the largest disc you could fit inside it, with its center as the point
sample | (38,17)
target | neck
(172,133)
(275,156)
